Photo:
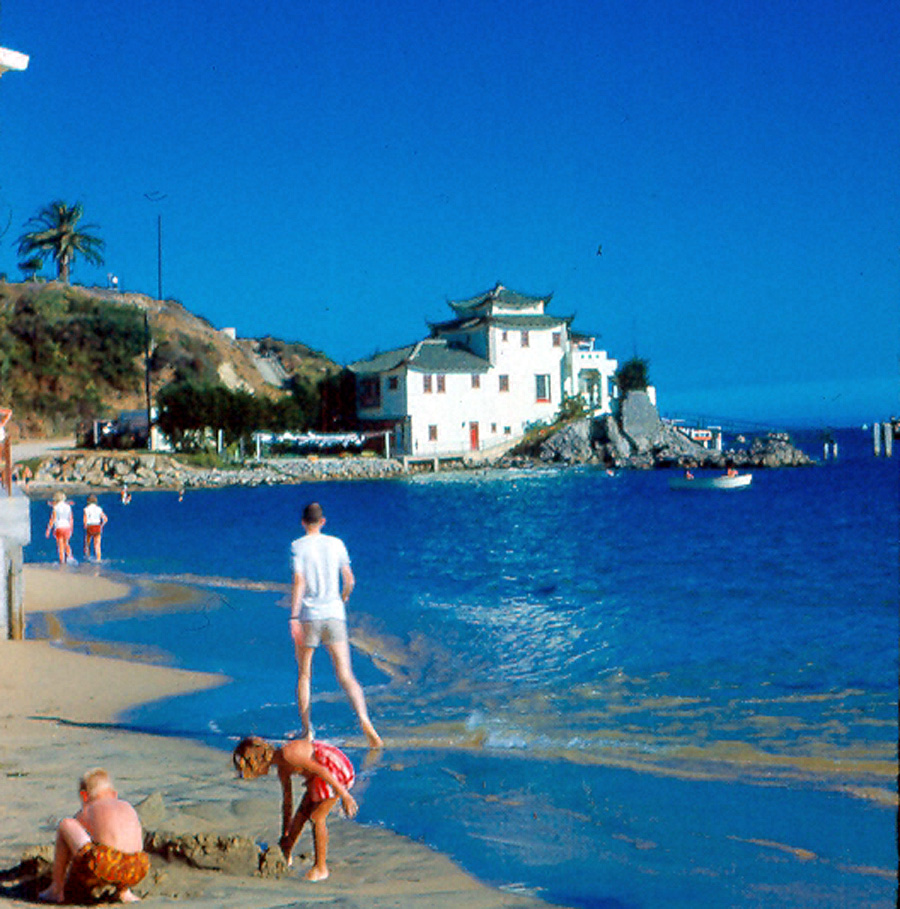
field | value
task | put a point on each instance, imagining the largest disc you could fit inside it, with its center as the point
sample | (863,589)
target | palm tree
(55,232)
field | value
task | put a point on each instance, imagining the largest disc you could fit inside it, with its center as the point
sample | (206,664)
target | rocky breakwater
(105,471)
(636,437)
(112,470)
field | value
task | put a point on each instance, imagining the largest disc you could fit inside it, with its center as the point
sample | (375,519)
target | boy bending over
(328,774)
(101,846)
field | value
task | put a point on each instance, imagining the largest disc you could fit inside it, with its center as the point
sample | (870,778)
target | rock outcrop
(638,438)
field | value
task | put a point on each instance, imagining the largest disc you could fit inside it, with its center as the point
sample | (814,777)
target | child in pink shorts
(328,774)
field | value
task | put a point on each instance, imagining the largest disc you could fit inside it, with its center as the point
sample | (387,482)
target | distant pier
(883,438)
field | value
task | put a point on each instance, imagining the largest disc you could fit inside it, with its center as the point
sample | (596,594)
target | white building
(481,378)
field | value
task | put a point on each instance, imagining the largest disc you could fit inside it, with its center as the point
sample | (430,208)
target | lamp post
(157,196)
(154,196)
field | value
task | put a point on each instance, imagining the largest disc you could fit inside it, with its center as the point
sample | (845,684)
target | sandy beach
(57,719)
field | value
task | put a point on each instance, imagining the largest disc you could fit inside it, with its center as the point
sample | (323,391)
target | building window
(504,336)
(370,392)
(493,427)
(441,384)
(426,383)
(507,431)
(542,388)
(476,380)
(524,339)
(557,339)
(393,383)
(432,433)
(504,383)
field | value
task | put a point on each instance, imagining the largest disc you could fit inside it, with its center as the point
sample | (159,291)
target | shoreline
(58,718)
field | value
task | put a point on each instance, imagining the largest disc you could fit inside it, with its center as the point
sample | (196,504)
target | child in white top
(94,522)
(62,523)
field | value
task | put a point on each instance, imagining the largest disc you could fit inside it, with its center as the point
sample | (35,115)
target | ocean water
(592,688)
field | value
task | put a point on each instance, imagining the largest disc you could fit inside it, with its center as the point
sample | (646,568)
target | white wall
(590,360)
(500,415)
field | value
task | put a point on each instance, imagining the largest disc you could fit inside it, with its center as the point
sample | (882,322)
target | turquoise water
(592,688)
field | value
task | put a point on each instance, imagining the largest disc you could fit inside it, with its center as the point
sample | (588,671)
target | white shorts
(324,631)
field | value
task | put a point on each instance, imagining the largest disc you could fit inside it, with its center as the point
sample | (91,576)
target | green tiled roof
(383,362)
(436,355)
(518,323)
(498,294)
(430,355)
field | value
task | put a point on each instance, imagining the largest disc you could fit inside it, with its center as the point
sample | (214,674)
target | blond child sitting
(101,846)
(328,775)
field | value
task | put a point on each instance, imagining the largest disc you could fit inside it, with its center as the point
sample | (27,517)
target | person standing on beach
(62,523)
(323,582)
(94,522)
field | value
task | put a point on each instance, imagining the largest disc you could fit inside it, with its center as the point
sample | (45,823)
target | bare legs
(70,837)
(63,548)
(339,651)
(340,658)
(316,812)
(87,545)
(304,667)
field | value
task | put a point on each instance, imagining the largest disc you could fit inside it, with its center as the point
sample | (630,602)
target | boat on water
(736,481)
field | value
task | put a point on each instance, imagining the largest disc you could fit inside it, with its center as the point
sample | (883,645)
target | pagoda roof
(498,294)
(518,323)
(431,355)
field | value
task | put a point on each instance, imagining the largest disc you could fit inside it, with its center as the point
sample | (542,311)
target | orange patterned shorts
(96,865)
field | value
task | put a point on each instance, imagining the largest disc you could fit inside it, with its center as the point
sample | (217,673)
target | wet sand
(57,719)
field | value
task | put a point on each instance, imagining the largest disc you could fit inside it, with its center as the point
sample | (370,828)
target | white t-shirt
(93,514)
(319,558)
(62,516)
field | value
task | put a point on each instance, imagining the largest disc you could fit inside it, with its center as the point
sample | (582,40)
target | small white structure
(482,377)
(12,60)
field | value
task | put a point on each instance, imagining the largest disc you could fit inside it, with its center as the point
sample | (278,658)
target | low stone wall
(107,471)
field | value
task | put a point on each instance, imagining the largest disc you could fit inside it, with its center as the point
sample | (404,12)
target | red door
(473,436)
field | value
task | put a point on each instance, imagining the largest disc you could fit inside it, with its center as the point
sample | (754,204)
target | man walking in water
(323,582)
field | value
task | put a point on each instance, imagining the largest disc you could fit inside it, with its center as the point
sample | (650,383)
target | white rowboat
(739,481)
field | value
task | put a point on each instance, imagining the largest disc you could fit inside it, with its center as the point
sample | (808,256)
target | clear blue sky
(335,171)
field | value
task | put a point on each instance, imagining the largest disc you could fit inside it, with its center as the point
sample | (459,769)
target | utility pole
(157,196)
(147,344)
(154,196)
(159,257)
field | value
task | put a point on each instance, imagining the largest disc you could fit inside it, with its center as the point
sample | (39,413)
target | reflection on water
(589,688)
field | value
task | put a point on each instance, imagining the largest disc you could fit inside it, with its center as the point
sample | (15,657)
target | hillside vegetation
(73,353)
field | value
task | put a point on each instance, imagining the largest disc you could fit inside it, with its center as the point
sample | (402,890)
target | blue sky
(333,172)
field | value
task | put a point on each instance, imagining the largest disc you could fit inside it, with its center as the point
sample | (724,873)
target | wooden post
(6,456)
(15,595)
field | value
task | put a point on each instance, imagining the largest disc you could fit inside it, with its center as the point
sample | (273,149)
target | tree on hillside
(55,232)
(31,266)
(633,375)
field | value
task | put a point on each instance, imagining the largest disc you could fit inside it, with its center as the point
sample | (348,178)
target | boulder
(572,444)
(639,421)
(618,447)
